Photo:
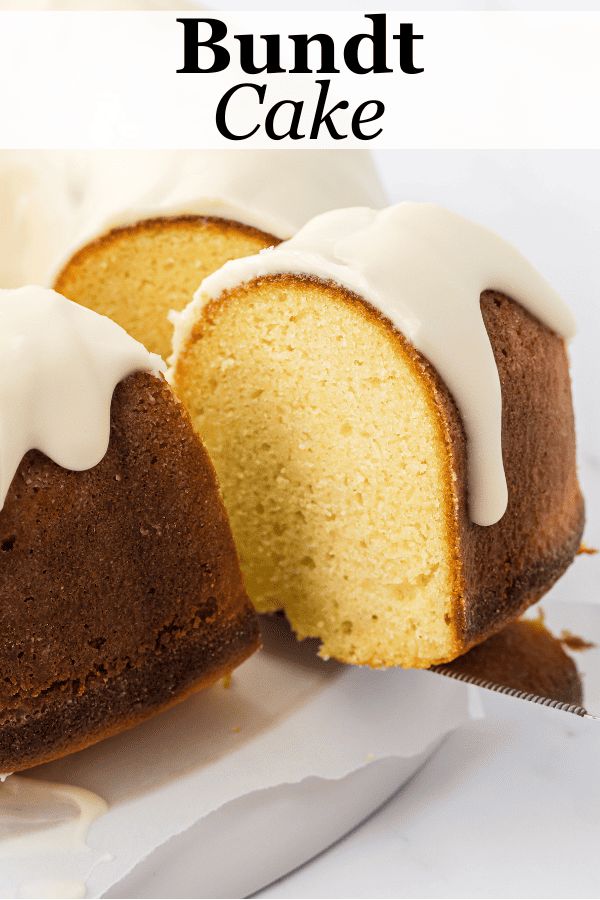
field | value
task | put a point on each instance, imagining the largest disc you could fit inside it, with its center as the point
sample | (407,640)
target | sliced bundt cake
(120,589)
(159,222)
(386,400)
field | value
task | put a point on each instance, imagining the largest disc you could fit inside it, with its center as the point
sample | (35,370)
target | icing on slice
(59,366)
(425,269)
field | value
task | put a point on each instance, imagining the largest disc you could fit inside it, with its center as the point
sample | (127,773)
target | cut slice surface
(332,459)
(138,273)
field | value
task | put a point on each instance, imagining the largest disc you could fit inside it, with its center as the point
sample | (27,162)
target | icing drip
(424,268)
(59,366)
(38,817)
(43,832)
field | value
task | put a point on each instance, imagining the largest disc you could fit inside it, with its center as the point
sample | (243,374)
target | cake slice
(386,399)
(120,589)
(158,222)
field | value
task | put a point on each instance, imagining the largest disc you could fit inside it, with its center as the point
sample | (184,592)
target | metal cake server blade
(569,622)
(513,692)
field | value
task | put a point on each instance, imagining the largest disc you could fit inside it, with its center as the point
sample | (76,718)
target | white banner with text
(300,79)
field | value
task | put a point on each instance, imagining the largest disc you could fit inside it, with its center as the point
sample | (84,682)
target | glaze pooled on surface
(424,268)
(39,816)
(59,366)
(43,832)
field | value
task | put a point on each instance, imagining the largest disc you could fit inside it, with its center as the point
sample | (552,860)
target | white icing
(59,366)
(424,268)
(43,830)
(56,201)
(39,817)
(38,209)
(273,190)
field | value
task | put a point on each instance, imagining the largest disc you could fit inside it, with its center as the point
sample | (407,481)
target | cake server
(448,671)
(561,619)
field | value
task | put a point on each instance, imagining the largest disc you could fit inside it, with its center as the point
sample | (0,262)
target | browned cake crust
(526,657)
(120,589)
(503,568)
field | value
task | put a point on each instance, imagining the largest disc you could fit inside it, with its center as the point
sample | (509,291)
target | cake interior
(330,455)
(136,274)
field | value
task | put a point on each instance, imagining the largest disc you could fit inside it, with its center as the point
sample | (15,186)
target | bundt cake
(179,216)
(120,589)
(386,400)
(526,657)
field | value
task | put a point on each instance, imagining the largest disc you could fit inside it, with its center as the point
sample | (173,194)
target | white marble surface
(509,806)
